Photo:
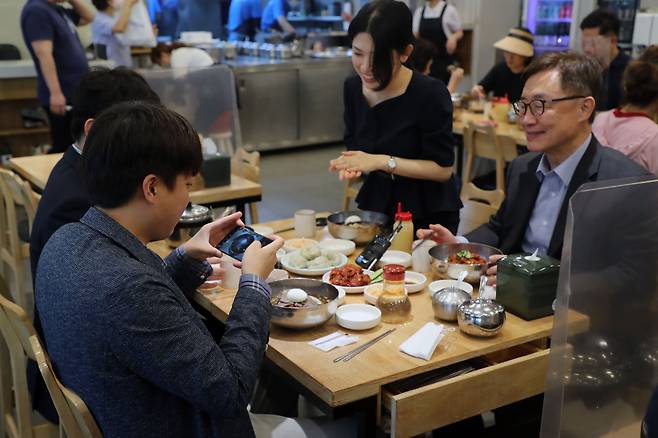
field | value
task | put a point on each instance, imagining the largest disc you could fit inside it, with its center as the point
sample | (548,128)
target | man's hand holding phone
(260,260)
(203,244)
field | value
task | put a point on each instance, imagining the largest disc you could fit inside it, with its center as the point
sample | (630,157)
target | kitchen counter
(24,68)
(258,63)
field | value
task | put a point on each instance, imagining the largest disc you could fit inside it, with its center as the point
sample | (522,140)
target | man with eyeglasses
(556,111)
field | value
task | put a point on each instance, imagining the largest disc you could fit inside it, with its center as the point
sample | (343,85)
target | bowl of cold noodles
(358,226)
(300,303)
(449,259)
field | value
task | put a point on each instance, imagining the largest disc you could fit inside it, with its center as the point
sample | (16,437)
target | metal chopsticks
(350,354)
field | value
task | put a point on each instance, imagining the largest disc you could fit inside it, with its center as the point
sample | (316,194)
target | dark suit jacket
(122,334)
(506,229)
(64,200)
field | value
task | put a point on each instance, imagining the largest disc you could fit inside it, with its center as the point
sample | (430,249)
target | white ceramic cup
(421,261)
(305,223)
(231,278)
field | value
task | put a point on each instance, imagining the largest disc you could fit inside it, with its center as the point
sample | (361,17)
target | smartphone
(237,241)
(373,251)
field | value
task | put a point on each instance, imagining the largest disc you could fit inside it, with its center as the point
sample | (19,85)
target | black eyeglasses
(537,106)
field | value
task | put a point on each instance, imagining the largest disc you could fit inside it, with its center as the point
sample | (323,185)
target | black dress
(431,29)
(416,125)
(503,82)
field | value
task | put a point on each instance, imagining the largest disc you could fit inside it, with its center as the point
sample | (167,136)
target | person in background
(275,19)
(107,24)
(244,19)
(398,123)
(504,78)
(65,198)
(632,129)
(421,60)
(600,30)
(439,22)
(556,111)
(49,32)
(161,53)
(164,14)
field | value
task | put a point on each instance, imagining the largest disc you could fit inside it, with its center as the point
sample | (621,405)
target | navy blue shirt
(41,20)
(273,10)
(612,91)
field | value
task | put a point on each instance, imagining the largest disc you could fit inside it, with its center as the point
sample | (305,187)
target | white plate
(338,245)
(395,257)
(296,244)
(358,316)
(437,285)
(310,272)
(348,289)
(414,281)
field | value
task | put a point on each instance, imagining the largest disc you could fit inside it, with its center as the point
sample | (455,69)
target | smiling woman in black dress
(398,123)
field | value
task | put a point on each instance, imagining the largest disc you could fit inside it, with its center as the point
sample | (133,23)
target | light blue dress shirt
(554,184)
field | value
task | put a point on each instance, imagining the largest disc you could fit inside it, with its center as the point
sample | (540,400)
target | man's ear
(87,127)
(587,107)
(150,185)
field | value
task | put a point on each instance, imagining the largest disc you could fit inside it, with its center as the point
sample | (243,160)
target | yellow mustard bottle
(405,238)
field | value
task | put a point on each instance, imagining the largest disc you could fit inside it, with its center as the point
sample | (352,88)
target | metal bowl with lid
(193,218)
(302,318)
(369,224)
(481,317)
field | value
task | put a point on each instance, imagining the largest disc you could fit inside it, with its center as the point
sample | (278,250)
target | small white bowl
(437,285)
(395,257)
(371,292)
(338,245)
(414,281)
(358,316)
(296,244)
(262,230)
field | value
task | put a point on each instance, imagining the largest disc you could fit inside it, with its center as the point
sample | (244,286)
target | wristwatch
(391,164)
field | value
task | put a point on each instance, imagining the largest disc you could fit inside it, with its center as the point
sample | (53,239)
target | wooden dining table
(510,366)
(463,117)
(37,168)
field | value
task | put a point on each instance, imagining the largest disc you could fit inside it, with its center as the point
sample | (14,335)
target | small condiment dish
(358,316)
(395,257)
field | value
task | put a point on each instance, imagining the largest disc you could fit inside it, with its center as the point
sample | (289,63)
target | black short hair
(389,24)
(579,74)
(603,19)
(101,88)
(131,140)
(641,79)
(101,5)
(423,52)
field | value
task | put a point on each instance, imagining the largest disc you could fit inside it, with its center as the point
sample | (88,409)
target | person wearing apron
(439,23)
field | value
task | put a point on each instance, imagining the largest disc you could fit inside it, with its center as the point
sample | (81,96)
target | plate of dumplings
(312,261)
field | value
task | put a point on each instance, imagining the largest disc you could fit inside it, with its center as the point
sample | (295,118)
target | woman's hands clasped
(353,164)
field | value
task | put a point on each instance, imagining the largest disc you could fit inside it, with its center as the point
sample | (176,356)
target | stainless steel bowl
(446,301)
(481,317)
(371,224)
(305,317)
(443,268)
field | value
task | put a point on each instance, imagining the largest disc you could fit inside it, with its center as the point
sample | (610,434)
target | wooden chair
(351,191)
(482,141)
(16,329)
(247,165)
(479,205)
(74,415)
(16,193)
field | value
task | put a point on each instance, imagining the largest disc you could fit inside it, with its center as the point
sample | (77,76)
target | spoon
(533,257)
(483,285)
(460,279)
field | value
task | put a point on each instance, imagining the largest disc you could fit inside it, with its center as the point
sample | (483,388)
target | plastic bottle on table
(404,239)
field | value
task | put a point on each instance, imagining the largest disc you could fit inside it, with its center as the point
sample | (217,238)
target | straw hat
(517,41)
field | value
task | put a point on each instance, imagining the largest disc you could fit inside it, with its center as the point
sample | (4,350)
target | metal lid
(195,214)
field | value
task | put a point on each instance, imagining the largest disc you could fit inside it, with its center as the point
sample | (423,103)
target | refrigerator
(553,22)
(556,23)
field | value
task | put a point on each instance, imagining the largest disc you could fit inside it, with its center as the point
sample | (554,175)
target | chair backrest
(481,140)
(77,420)
(23,341)
(246,164)
(16,192)
(9,52)
(479,205)
(18,424)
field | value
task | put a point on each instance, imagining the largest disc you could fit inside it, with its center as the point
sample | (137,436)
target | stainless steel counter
(290,102)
